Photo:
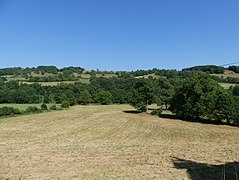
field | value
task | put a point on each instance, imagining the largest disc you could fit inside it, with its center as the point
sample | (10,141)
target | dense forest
(193,93)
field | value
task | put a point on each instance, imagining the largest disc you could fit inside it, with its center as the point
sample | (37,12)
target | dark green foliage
(65,104)
(234,69)
(165,92)
(187,99)
(120,96)
(192,93)
(47,69)
(44,107)
(9,111)
(211,69)
(85,97)
(10,71)
(201,97)
(221,106)
(235,90)
(71,69)
(156,112)
(104,97)
(142,95)
(53,107)
(226,108)
(32,109)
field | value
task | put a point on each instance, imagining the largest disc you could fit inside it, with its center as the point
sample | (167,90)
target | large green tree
(85,97)
(142,94)
(104,97)
(222,106)
(201,97)
(187,100)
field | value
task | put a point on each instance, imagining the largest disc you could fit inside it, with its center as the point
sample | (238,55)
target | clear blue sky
(118,34)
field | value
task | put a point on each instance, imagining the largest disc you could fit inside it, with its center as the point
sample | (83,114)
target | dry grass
(227,73)
(103,142)
(150,75)
(227,85)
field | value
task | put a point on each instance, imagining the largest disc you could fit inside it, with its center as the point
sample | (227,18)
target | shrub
(32,109)
(156,112)
(65,104)
(7,111)
(53,107)
(44,107)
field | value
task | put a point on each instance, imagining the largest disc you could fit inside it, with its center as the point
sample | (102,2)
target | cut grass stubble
(94,142)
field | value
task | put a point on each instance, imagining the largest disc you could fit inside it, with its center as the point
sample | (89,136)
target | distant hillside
(52,76)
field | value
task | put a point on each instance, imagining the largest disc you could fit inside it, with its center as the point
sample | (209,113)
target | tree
(44,107)
(142,95)
(187,100)
(234,69)
(164,92)
(235,90)
(104,97)
(85,97)
(201,97)
(221,106)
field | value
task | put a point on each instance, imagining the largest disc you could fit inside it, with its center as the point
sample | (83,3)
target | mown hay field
(112,142)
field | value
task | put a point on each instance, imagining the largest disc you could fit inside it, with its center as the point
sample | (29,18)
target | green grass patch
(25,106)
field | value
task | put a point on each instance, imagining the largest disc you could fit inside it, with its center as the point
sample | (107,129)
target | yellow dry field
(227,73)
(104,142)
(227,85)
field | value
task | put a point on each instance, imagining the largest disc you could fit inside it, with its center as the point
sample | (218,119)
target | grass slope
(103,142)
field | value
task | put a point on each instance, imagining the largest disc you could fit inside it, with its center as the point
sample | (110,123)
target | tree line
(39,70)
(188,94)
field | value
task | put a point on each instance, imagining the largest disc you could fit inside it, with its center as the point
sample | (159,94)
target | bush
(53,107)
(156,112)
(32,109)
(65,104)
(44,107)
(7,111)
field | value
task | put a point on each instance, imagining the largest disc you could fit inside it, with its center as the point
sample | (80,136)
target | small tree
(142,95)
(65,104)
(44,107)
(53,107)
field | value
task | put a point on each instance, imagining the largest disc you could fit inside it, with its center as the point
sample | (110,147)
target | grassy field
(113,142)
(25,106)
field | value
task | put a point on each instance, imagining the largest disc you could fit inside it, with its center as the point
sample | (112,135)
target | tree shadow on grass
(198,171)
(169,116)
(132,111)
(199,120)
